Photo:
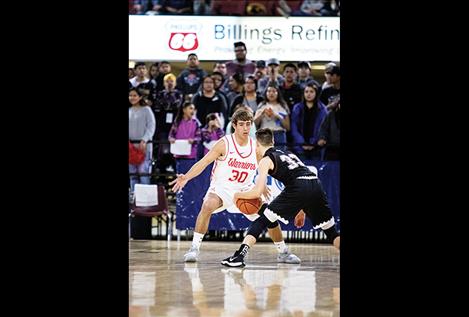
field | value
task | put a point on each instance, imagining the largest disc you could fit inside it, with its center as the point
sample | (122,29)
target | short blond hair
(169,76)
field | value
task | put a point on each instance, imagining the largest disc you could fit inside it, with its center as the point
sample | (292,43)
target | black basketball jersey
(287,166)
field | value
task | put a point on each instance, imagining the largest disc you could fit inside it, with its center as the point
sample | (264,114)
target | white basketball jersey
(238,167)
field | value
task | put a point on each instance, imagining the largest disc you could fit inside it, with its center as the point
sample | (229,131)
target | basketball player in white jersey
(234,170)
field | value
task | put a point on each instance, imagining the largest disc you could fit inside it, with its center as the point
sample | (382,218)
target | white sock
(281,247)
(197,239)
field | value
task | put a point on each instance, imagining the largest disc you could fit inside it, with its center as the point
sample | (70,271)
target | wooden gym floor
(161,284)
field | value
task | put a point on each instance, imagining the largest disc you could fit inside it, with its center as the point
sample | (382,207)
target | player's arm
(217,151)
(261,181)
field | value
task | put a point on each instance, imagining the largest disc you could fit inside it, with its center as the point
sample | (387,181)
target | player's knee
(209,205)
(258,226)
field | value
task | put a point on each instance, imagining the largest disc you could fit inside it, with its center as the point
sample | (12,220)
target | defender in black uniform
(303,194)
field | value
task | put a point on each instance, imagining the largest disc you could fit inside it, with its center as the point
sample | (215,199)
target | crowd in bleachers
(196,106)
(236,7)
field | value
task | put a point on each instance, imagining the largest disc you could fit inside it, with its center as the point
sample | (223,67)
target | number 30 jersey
(236,170)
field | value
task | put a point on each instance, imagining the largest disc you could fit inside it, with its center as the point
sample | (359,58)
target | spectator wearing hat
(304,75)
(190,78)
(273,76)
(331,93)
(240,64)
(261,70)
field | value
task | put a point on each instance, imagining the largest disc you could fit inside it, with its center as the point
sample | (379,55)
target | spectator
(211,131)
(141,130)
(166,107)
(185,127)
(273,113)
(208,100)
(304,75)
(240,64)
(290,90)
(218,85)
(273,76)
(261,70)
(249,96)
(202,7)
(143,83)
(228,7)
(261,7)
(306,120)
(177,6)
(329,134)
(190,78)
(235,84)
(143,6)
(163,70)
(330,94)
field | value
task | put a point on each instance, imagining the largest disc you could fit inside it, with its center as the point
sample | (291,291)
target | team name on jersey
(243,165)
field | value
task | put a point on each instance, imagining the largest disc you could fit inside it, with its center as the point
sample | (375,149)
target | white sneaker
(287,257)
(191,255)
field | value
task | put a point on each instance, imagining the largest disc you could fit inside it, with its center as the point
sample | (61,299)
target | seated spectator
(306,120)
(144,6)
(228,7)
(261,8)
(202,7)
(176,6)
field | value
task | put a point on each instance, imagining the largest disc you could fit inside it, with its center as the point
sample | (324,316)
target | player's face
(242,128)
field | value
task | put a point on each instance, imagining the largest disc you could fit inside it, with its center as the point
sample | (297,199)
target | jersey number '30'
(240,177)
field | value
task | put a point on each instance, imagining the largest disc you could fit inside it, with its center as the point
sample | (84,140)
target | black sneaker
(236,260)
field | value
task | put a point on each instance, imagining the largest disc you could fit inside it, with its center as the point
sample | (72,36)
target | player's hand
(300,219)
(179,182)
(267,193)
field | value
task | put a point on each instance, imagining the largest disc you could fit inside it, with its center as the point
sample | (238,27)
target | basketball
(249,206)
